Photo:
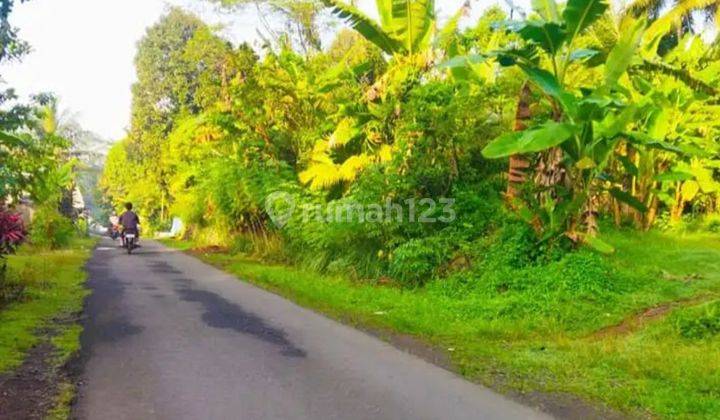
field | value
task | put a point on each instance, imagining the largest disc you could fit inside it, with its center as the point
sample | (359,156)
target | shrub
(50,229)
(712,223)
(700,322)
(12,232)
(414,263)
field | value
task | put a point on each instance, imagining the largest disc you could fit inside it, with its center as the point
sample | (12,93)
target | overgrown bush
(415,262)
(49,229)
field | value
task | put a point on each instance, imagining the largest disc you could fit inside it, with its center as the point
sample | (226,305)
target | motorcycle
(114,232)
(129,241)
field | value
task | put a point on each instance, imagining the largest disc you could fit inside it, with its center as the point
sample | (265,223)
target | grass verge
(611,330)
(46,312)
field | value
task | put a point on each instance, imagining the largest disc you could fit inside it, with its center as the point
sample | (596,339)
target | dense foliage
(37,168)
(612,121)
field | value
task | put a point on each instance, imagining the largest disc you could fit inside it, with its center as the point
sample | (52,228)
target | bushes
(415,262)
(701,322)
(49,229)
(12,234)
(12,231)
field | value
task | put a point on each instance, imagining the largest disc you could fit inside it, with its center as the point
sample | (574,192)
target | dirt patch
(638,321)
(29,392)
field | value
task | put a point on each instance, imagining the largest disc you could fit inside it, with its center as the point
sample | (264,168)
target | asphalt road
(169,337)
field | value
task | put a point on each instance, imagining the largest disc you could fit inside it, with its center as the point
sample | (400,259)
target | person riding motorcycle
(129,221)
(114,228)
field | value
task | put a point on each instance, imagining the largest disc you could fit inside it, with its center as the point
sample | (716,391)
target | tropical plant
(678,16)
(569,153)
(12,231)
(405,27)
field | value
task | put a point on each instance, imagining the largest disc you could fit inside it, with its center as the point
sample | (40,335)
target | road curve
(169,337)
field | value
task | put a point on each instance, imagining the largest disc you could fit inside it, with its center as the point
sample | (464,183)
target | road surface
(169,337)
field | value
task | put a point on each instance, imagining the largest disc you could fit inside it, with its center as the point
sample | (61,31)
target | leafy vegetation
(43,243)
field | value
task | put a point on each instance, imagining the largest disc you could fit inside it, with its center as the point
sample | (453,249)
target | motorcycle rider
(114,225)
(129,221)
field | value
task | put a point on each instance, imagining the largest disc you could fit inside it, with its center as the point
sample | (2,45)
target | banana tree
(677,91)
(363,130)
(405,27)
(571,149)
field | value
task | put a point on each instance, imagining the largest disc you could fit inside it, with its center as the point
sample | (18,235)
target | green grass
(549,328)
(54,290)
(53,294)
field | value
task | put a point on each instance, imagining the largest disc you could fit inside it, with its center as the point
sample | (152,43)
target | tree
(301,16)
(11,46)
(572,149)
(669,21)
(181,68)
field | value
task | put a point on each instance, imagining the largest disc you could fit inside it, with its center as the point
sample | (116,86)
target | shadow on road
(221,313)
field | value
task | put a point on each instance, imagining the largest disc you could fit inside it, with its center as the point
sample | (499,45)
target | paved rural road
(169,337)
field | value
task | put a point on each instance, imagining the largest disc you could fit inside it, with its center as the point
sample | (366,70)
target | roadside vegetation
(50,300)
(44,245)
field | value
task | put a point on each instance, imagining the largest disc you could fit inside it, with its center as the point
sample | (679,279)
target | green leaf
(413,23)
(549,35)
(629,166)
(623,53)
(542,138)
(579,14)
(689,190)
(614,124)
(8,139)
(547,9)
(674,176)
(550,85)
(643,139)
(506,145)
(527,54)
(462,61)
(628,199)
(365,26)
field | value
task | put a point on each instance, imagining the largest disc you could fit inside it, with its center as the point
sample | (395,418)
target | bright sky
(83,50)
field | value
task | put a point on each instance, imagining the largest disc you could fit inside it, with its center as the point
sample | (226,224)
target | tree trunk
(652,213)
(679,206)
(517,170)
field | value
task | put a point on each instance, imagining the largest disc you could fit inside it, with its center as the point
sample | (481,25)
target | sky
(83,50)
